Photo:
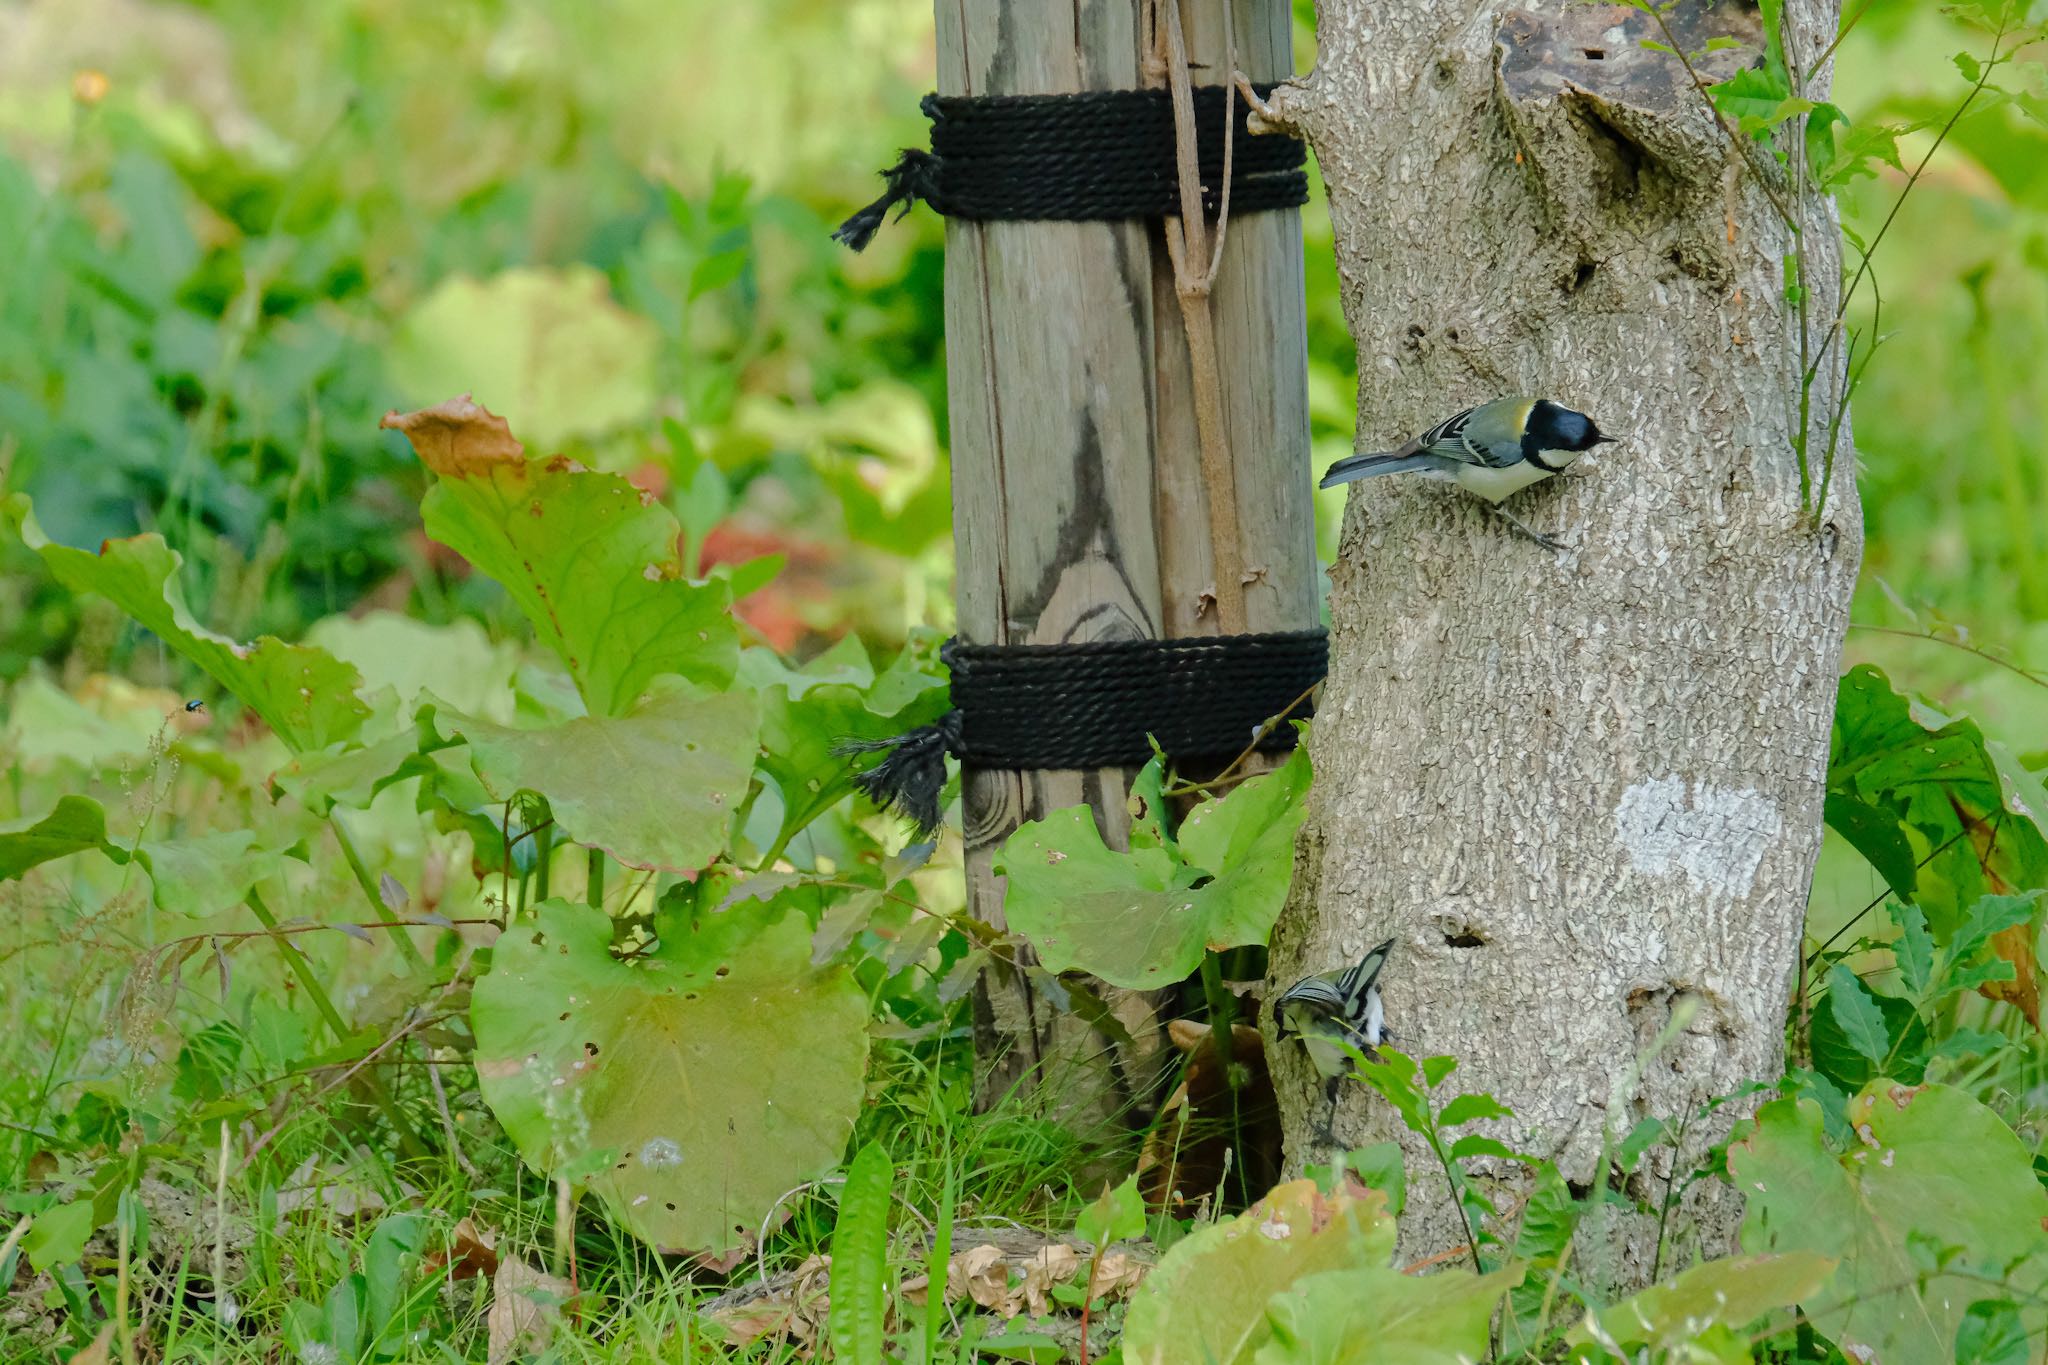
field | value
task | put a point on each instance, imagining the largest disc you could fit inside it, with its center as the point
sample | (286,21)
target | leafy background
(243,1109)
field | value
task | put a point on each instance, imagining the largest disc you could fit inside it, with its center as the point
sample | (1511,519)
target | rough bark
(1578,789)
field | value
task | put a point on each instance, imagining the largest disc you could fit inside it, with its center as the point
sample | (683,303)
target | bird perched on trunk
(1333,1009)
(1493,450)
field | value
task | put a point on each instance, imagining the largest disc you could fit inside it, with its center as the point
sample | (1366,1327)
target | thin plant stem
(2033,676)
(411,954)
(594,893)
(301,968)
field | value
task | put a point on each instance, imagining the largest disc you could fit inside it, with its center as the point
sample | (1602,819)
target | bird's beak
(1606,440)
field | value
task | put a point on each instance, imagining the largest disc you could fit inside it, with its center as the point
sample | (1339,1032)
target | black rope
(1101,154)
(1098,704)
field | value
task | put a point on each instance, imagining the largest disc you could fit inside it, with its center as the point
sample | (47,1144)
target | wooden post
(1080,511)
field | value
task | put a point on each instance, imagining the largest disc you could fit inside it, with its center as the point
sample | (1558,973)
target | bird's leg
(1329,1134)
(1550,543)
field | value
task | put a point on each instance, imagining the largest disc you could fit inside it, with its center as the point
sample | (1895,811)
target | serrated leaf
(1854,1010)
(1140,919)
(655,788)
(589,559)
(1914,948)
(1752,93)
(74,824)
(304,694)
(1928,1165)
(721,1066)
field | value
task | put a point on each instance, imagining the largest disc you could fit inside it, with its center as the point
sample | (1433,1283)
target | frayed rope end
(912,774)
(909,180)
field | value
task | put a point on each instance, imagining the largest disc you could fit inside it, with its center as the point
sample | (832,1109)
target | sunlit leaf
(74,824)
(1732,1293)
(1375,1315)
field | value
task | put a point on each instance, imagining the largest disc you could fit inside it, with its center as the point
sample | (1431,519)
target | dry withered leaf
(796,1308)
(457,438)
(1051,1265)
(525,1306)
(99,1352)
(2016,945)
(472,1252)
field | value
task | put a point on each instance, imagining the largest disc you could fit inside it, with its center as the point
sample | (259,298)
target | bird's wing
(1356,982)
(1454,439)
(1445,438)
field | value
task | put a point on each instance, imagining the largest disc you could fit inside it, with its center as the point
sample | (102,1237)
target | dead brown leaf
(99,1351)
(2016,945)
(458,438)
(525,1306)
(796,1309)
(472,1252)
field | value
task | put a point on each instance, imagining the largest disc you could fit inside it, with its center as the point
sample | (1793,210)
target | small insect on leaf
(195,705)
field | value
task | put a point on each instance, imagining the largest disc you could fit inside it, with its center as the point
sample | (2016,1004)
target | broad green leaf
(1143,918)
(1993,1333)
(1478,1144)
(549,348)
(1857,1013)
(1864,148)
(1547,1225)
(350,774)
(1376,1315)
(1732,1292)
(1929,1167)
(1436,1070)
(1968,823)
(1116,1214)
(1969,1042)
(589,559)
(857,1315)
(655,789)
(719,1069)
(59,1234)
(1845,1063)
(74,824)
(304,694)
(1875,833)
(45,725)
(1381,1167)
(455,660)
(1205,1302)
(207,873)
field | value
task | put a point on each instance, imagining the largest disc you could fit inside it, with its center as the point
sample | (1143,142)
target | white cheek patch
(1715,836)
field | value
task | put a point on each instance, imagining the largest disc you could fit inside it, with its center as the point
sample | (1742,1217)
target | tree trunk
(1583,791)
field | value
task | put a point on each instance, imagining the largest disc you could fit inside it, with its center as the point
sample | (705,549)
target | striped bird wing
(1445,438)
(1454,438)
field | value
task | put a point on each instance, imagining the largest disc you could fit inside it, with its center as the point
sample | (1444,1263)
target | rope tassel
(912,178)
(912,773)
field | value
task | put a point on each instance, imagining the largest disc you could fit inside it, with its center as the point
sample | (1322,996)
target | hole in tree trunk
(1595,54)
(1464,939)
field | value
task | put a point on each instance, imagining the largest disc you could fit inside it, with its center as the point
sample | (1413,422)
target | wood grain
(1077,494)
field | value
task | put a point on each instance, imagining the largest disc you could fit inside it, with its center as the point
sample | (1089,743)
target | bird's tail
(1354,467)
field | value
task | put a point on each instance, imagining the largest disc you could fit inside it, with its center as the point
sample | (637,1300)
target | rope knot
(912,773)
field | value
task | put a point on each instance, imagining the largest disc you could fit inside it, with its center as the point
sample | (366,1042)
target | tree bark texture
(1080,507)
(1583,791)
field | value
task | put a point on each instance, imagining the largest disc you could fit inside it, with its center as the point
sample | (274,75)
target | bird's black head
(1555,427)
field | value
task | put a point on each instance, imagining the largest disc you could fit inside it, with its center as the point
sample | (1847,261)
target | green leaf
(1862,150)
(1547,1224)
(1205,1302)
(721,1066)
(1993,1333)
(857,1315)
(1139,919)
(1732,1293)
(1469,1108)
(389,1263)
(1857,1014)
(1750,94)
(1380,1167)
(1435,1070)
(1970,1042)
(1969,66)
(1478,1144)
(1116,1214)
(548,348)
(656,788)
(589,560)
(1914,948)
(58,1234)
(206,874)
(1376,1315)
(74,824)
(1876,834)
(1947,788)
(304,694)
(1928,1166)
(1987,916)
(1845,1062)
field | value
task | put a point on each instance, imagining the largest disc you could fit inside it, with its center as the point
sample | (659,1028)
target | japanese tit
(1338,1007)
(1494,450)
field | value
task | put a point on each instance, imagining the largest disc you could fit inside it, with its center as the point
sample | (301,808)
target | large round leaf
(655,789)
(1932,1174)
(1142,919)
(691,1086)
